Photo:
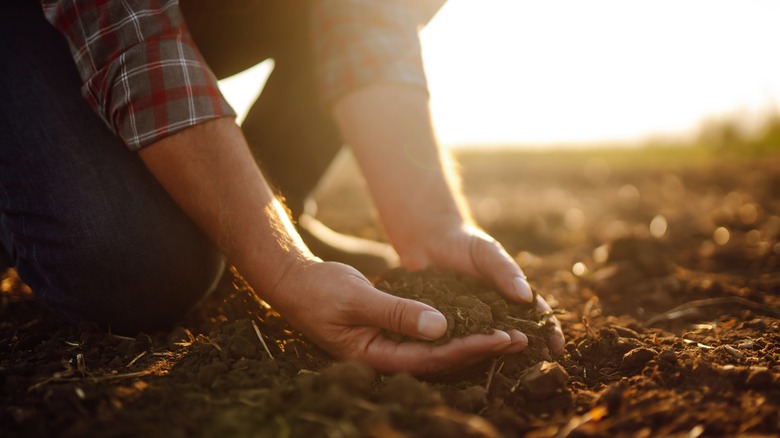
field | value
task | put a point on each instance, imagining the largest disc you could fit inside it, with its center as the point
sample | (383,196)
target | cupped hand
(469,250)
(339,310)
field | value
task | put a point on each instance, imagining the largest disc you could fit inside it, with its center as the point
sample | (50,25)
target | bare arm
(389,128)
(210,173)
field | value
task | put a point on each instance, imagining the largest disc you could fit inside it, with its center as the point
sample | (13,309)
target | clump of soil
(470,306)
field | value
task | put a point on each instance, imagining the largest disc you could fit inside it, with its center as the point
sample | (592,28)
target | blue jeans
(85,224)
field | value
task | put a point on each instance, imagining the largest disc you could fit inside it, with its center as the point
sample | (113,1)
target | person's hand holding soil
(339,309)
(423,213)
(331,303)
(465,249)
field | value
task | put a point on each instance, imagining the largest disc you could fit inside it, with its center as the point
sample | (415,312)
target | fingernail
(556,343)
(506,341)
(522,289)
(518,337)
(519,341)
(431,325)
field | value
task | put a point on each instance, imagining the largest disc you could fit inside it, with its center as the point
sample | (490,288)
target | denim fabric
(86,225)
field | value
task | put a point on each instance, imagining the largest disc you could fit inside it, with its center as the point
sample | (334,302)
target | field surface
(662,264)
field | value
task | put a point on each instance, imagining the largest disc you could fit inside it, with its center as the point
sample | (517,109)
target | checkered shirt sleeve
(141,71)
(363,42)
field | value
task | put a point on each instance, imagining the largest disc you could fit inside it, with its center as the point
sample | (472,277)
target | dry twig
(262,341)
(81,364)
(214,344)
(135,359)
(56,379)
(698,344)
(490,374)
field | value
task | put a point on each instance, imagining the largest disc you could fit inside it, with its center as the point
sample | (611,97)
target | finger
(400,315)
(495,265)
(419,358)
(556,340)
(519,342)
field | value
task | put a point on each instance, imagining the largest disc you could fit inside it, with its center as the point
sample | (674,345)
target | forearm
(209,171)
(390,131)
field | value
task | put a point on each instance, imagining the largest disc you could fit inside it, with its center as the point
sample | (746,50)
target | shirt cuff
(155,89)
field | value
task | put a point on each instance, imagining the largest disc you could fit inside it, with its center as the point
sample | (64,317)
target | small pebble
(543,380)
(636,358)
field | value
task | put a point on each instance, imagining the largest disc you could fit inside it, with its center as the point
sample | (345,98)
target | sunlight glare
(242,89)
(515,71)
(518,72)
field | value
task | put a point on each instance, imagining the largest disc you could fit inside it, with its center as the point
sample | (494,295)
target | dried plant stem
(81,364)
(143,353)
(490,374)
(262,341)
(90,379)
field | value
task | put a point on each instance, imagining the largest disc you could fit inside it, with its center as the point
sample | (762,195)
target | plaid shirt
(144,75)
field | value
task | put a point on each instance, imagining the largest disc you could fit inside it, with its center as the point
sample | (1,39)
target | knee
(129,278)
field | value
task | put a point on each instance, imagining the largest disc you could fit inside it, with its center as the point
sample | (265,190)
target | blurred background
(572,74)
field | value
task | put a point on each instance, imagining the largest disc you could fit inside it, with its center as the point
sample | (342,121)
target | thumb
(405,316)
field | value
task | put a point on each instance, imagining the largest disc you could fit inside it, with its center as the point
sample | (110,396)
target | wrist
(268,252)
(416,250)
(273,278)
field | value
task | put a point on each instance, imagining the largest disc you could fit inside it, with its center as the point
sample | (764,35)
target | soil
(470,306)
(664,276)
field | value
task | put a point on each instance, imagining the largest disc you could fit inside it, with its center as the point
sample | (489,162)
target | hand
(339,310)
(413,186)
(468,250)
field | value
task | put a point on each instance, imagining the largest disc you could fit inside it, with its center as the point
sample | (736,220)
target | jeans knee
(131,279)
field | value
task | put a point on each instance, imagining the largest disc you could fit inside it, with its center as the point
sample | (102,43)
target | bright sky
(550,72)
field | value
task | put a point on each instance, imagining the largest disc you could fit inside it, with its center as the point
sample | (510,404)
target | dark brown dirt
(668,334)
(469,306)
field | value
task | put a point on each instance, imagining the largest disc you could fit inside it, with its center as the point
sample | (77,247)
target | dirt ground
(662,267)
